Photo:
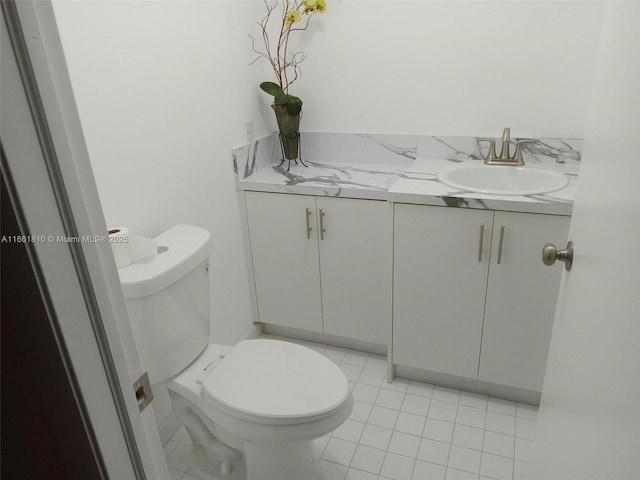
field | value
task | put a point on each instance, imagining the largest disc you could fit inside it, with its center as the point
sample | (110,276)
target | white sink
(501,179)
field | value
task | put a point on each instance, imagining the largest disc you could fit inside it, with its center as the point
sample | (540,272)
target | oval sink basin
(502,179)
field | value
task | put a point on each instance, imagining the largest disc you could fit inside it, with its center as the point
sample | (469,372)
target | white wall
(164,88)
(451,68)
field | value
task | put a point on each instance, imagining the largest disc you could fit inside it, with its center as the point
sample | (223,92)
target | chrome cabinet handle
(502,229)
(322,229)
(308,214)
(550,254)
(481,242)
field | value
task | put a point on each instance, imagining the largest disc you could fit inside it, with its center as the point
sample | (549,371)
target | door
(441,257)
(521,299)
(589,421)
(284,248)
(354,267)
(49,181)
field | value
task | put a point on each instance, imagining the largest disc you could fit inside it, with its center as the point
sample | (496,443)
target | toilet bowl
(252,410)
(268,400)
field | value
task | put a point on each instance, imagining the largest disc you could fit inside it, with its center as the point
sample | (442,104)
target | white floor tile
(397,467)
(368,459)
(410,423)
(494,466)
(319,444)
(469,437)
(419,388)
(463,458)
(377,362)
(335,354)
(525,428)
(353,474)
(376,437)
(438,430)
(498,444)
(526,411)
(398,384)
(352,372)
(354,357)
(169,447)
(180,434)
(333,471)
(520,470)
(501,423)
(471,416)
(361,411)
(180,458)
(318,347)
(390,399)
(404,444)
(339,451)
(415,404)
(434,451)
(372,377)
(453,474)
(473,400)
(446,394)
(428,471)
(443,410)
(350,430)
(175,474)
(188,476)
(365,393)
(383,417)
(506,407)
(524,449)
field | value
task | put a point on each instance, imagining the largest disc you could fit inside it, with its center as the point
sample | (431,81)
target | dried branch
(285,67)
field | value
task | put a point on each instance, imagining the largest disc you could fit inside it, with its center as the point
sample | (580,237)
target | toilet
(252,410)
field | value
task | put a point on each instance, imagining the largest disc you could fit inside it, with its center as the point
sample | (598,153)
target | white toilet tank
(167,299)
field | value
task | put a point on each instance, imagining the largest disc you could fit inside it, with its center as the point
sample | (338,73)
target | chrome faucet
(504,158)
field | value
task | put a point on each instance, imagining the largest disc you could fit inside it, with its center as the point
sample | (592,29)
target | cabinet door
(355,268)
(439,287)
(521,299)
(285,259)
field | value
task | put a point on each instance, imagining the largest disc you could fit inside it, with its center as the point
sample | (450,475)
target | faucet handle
(517,156)
(492,149)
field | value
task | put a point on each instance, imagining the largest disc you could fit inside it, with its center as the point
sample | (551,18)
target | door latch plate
(142,390)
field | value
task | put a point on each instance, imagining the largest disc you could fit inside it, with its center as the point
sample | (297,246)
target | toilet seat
(271,382)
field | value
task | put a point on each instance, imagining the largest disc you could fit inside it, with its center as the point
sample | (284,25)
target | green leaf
(294,106)
(281,99)
(272,88)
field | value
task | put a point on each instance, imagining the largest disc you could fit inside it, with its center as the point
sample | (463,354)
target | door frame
(45,164)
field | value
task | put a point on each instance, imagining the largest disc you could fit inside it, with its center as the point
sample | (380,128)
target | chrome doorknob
(550,254)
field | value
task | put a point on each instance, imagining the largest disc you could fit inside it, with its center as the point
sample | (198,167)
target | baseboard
(469,385)
(334,340)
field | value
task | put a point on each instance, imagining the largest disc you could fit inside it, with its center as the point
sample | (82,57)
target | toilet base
(283,461)
(206,467)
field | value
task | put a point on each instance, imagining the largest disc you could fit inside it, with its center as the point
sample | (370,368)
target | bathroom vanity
(368,249)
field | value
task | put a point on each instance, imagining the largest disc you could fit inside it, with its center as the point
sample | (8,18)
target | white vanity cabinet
(471,295)
(321,264)
(521,299)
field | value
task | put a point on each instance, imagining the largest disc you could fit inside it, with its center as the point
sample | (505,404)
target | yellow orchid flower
(309,3)
(321,6)
(292,17)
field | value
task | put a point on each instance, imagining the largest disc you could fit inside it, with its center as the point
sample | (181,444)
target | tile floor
(409,430)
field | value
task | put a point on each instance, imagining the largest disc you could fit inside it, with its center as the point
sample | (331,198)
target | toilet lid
(275,382)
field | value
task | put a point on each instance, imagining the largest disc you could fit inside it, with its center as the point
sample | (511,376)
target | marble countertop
(399,168)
